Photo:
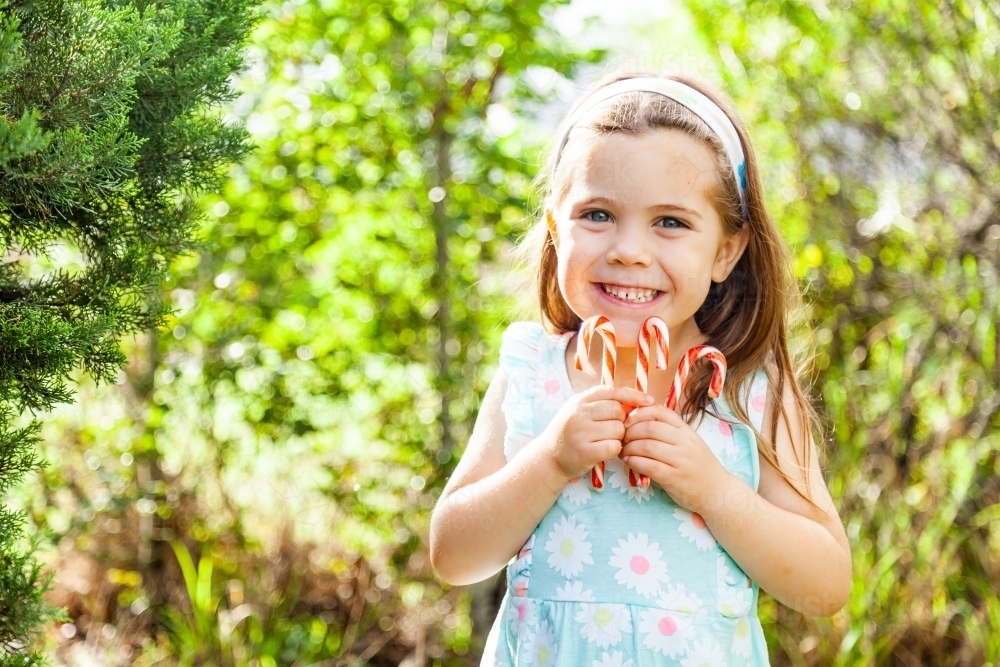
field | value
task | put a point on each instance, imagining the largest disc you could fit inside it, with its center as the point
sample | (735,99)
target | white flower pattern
(541,647)
(734,602)
(613,660)
(704,654)
(667,632)
(670,629)
(521,614)
(677,598)
(568,548)
(694,528)
(617,478)
(573,591)
(602,596)
(721,440)
(604,624)
(577,491)
(550,391)
(640,565)
(741,644)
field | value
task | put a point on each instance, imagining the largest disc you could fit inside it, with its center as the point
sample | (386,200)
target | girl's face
(636,232)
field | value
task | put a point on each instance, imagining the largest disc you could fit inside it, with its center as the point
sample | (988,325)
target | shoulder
(523,333)
(520,345)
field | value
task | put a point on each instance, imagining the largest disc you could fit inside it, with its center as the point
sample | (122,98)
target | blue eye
(670,223)
(588,216)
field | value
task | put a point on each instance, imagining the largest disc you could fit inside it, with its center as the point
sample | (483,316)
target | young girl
(653,206)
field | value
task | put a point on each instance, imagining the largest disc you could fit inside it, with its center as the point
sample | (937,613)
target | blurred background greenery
(255,489)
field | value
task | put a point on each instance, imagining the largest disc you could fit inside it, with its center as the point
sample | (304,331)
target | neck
(682,338)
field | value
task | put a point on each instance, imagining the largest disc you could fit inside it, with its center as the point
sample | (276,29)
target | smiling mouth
(630,294)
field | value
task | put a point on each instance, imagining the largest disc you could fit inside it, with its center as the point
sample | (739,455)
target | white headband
(698,103)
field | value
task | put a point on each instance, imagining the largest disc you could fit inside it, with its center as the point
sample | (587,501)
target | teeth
(631,293)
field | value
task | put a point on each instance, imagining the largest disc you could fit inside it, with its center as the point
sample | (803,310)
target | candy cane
(652,328)
(602,326)
(696,353)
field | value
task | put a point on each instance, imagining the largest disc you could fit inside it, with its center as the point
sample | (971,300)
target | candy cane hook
(603,327)
(693,355)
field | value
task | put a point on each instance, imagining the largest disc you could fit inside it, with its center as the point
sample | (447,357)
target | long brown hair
(746,315)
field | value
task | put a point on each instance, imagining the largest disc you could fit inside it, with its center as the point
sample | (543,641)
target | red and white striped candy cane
(693,355)
(656,329)
(603,327)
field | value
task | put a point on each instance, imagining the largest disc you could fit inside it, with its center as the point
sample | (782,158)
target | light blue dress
(622,577)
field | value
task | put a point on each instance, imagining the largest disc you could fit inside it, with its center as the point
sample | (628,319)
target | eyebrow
(671,208)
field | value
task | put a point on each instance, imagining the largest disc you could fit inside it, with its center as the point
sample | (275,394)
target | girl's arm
(796,552)
(489,507)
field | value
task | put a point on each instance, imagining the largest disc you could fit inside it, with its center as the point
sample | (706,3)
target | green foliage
(350,298)
(221,629)
(105,137)
(324,361)
(878,128)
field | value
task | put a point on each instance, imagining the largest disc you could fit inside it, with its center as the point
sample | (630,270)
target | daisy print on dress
(724,573)
(541,647)
(618,479)
(614,660)
(525,551)
(568,548)
(603,624)
(522,613)
(573,591)
(640,565)
(550,390)
(577,491)
(520,585)
(723,442)
(704,654)
(676,598)
(668,630)
(731,574)
(695,529)
(519,570)
(735,602)
(742,645)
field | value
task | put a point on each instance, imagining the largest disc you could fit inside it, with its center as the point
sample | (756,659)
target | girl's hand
(661,445)
(589,428)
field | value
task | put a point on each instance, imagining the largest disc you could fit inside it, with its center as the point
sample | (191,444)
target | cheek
(689,269)
(571,272)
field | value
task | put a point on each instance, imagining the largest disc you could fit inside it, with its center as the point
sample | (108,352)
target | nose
(629,246)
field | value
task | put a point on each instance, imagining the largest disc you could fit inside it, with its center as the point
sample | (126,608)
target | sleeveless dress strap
(519,361)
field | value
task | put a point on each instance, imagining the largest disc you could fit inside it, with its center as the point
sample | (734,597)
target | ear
(729,253)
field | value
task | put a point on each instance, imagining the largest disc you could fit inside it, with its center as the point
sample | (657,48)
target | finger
(608,449)
(654,413)
(623,395)
(600,392)
(647,448)
(658,470)
(609,430)
(629,396)
(653,430)
(606,410)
